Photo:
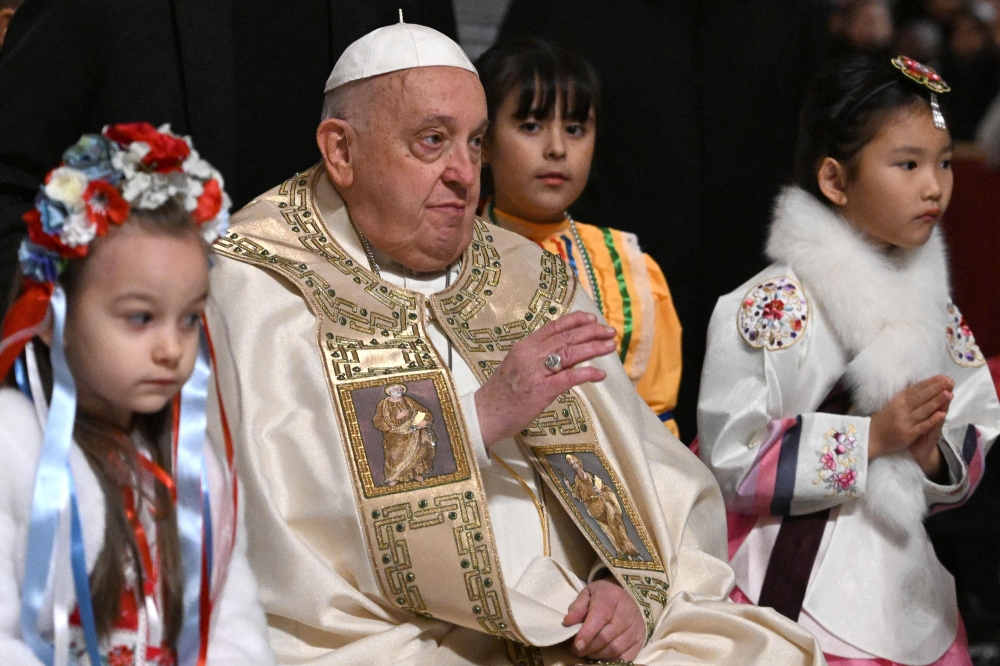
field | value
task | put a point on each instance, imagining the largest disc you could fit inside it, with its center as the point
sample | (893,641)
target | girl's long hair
(113,458)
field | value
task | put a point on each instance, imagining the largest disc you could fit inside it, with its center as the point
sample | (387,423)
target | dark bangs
(540,74)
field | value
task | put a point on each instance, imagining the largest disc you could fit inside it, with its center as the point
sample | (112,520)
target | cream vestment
(475,559)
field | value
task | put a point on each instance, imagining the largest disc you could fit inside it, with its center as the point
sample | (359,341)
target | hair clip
(927,77)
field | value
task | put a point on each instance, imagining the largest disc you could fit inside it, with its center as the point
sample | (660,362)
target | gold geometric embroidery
(647,591)
(548,301)
(462,510)
(523,655)
(566,418)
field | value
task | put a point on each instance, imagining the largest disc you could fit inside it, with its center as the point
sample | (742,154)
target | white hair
(350,102)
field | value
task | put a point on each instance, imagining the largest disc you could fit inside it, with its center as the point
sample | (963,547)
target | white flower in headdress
(191,193)
(213,229)
(77,230)
(135,185)
(196,166)
(67,186)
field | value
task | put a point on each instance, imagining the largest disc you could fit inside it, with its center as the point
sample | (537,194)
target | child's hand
(927,453)
(912,413)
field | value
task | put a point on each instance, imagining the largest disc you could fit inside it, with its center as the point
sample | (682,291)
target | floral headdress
(101,179)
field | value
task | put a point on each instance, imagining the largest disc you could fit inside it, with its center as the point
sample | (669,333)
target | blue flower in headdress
(92,155)
(54,214)
(38,263)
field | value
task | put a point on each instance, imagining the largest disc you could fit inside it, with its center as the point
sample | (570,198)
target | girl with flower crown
(843,397)
(120,539)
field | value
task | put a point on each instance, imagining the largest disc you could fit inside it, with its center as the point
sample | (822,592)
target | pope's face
(416,167)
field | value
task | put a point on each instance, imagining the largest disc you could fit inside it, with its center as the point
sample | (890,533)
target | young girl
(542,106)
(119,540)
(843,397)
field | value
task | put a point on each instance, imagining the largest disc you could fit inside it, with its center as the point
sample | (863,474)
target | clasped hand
(613,628)
(913,419)
(522,386)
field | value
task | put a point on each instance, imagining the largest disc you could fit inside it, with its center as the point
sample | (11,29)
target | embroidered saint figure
(408,440)
(602,505)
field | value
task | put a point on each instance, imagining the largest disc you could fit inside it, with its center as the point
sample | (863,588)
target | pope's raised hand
(523,385)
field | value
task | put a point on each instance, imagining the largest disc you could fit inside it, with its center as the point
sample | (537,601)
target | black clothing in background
(244,78)
(974,83)
(699,114)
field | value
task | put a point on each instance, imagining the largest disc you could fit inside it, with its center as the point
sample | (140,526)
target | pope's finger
(581,334)
(564,323)
(599,645)
(578,609)
(564,380)
(586,351)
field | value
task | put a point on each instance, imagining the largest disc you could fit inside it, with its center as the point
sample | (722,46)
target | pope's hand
(613,628)
(522,386)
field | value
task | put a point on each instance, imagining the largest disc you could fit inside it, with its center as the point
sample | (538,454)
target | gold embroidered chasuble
(403,448)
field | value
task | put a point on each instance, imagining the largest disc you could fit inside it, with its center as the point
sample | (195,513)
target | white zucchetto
(396,47)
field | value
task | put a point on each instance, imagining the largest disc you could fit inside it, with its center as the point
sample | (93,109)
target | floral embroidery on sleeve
(773,314)
(838,466)
(961,342)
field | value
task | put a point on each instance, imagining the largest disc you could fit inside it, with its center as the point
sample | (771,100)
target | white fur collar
(888,313)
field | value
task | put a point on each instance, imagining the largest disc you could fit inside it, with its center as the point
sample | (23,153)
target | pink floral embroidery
(838,466)
(961,342)
(773,314)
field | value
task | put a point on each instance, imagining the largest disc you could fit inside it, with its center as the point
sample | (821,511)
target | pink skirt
(956,655)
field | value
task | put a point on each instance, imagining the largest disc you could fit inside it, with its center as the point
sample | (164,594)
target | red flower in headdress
(209,203)
(104,205)
(166,153)
(38,236)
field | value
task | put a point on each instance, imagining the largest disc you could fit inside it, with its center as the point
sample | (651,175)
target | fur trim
(894,498)
(889,313)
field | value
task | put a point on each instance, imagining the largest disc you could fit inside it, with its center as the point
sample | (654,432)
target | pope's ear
(334,137)
(832,180)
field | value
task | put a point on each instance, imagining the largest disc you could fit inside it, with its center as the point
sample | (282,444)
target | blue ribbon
(52,486)
(21,377)
(192,487)
(81,582)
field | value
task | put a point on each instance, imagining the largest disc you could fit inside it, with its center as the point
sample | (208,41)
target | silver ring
(553,362)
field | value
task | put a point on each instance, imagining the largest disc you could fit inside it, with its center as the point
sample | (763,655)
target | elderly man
(450,526)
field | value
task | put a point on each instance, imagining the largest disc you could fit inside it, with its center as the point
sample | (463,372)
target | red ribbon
(24,316)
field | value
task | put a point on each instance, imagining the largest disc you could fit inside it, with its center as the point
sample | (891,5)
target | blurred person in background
(922,40)
(236,75)
(7,9)
(863,26)
(971,66)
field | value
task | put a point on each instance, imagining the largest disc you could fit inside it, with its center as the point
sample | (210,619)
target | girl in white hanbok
(843,396)
(120,542)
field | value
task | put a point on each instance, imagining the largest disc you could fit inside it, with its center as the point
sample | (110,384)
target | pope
(369,276)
